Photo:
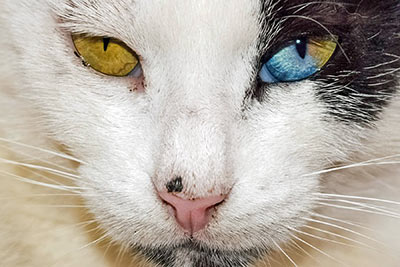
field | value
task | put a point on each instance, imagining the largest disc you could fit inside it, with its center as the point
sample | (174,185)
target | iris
(298,61)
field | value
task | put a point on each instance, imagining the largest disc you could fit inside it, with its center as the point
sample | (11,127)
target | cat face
(200,112)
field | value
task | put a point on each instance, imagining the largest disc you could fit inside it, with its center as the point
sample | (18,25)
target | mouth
(195,254)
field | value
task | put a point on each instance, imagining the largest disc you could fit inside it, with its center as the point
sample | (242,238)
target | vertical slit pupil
(301,47)
(106,42)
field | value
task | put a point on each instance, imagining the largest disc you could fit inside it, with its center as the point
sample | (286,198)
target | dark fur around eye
(360,80)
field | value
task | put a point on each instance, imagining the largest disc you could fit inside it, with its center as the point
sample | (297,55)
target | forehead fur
(165,24)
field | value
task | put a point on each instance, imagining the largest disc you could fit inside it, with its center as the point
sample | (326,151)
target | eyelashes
(107,55)
(299,60)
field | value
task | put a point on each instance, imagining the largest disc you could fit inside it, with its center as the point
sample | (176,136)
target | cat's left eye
(107,55)
(298,61)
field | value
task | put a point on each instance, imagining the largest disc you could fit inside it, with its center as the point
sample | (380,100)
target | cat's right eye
(107,55)
(298,61)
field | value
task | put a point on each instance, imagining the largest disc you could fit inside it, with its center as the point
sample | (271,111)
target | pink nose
(192,215)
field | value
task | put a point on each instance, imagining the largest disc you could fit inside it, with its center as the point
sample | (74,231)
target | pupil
(106,42)
(301,47)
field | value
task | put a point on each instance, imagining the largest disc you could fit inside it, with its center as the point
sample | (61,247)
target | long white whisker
(370,162)
(29,181)
(357,165)
(317,249)
(321,238)
(304,251)
(358,198)
(342,228)
(39,175)
(284,253)
(42,168)
(314,214)
(364,205)
(339,236)
(57,206)
(39,196)
(357,209)
(39,159)
(43,150)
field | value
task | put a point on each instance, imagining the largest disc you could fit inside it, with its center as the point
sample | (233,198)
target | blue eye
(298,61)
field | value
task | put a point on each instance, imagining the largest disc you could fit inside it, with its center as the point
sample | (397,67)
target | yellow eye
(106,55)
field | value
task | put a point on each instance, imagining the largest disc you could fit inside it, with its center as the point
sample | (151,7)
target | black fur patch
(360,79)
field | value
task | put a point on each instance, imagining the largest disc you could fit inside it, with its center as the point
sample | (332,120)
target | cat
(199,133)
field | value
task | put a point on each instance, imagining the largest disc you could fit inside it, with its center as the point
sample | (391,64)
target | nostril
(220,203)
(175,186)
(192,215)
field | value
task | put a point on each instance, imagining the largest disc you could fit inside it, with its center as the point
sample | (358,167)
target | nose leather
(192,215)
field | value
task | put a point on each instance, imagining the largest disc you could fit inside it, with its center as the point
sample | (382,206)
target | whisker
(39,175)
(357,209)
(42,168)
(65,156)
(120,254)
(339,236)
(98,240)
(284,253)
(317,249)
(39,196)
(57,206)
(321,238)
(364,205)
(305,5)
(357,165)
(107,249)
(33,182)
(304,251)
(358,198)
(371,162)
(342,228)
(341,221)
(39,159)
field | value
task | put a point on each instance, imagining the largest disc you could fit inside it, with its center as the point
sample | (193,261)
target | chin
(194,253)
